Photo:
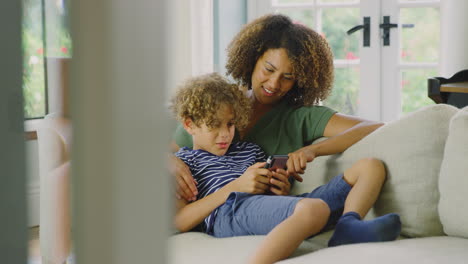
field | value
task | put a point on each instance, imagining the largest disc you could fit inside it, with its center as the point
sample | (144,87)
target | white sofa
(426,156)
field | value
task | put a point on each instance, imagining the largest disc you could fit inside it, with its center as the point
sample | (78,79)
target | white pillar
(119,77)
(454,37)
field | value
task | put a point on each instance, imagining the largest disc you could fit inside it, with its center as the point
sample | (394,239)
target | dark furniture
(453,91)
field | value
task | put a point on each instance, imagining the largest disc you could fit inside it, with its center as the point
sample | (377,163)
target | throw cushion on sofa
(453,181)
(412,149)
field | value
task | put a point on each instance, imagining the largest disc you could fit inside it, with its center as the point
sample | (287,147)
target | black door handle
(386,26)
(366,34)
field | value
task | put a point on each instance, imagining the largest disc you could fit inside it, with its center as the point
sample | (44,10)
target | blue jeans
(248,214)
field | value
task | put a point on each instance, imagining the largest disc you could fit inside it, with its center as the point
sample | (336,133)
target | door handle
(386,26)
(366,34)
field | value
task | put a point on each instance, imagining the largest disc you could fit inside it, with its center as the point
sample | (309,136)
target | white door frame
(390,72)
(370,73)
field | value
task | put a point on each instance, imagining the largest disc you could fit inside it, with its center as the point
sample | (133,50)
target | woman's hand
(254,180)
(280,184)
(185,183)
(297,162)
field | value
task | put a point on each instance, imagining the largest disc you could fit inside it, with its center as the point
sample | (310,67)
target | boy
(232,182)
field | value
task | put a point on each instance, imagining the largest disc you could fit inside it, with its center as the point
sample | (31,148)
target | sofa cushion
(196,247)
(412,150)
(428,250)
(453,181)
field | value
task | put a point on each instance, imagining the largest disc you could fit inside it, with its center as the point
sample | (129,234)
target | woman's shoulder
(312,110)
(315,108)
(181,137)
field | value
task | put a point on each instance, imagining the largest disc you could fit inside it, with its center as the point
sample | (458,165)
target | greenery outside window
(45,34)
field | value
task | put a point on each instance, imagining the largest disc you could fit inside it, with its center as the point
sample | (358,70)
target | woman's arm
(186,186)
(342,132)
(185,183)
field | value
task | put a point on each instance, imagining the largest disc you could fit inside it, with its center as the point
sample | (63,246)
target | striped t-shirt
(212,172)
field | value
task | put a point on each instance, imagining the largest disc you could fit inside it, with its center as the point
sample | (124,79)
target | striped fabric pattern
(213,172)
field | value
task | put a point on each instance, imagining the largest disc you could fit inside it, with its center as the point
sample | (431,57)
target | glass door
(412,56)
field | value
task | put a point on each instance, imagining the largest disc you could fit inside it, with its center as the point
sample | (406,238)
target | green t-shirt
(282,130)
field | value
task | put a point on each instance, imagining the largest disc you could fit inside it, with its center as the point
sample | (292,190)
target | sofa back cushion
(453,181)
(412,150)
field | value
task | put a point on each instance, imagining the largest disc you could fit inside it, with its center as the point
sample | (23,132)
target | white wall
(228,18)
(201,26)
(179,35)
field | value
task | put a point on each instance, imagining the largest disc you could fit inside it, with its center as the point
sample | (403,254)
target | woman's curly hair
(199,98)
(309,53)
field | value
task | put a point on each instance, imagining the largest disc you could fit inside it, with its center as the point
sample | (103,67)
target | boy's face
(215,140)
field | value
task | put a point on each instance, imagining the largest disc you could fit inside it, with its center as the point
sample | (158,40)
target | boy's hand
(185,183)
(255,180)
(280,184)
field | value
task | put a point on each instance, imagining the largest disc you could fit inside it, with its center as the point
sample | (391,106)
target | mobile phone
(276,162)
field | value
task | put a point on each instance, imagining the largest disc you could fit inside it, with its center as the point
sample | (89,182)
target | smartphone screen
(276,162)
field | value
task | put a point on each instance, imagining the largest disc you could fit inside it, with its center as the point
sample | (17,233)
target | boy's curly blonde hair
(310,56)
(199,99)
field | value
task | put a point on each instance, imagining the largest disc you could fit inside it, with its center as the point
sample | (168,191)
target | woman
(286,69)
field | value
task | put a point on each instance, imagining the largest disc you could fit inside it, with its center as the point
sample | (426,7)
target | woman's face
(272,76)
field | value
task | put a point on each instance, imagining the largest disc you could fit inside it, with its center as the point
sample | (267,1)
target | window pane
(420,43)
(304,16)
(336,21)
(33,60)
(414,89)
(345,93)
(57,24)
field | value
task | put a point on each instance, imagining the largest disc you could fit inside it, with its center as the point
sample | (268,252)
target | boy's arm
(254,180)
(189,215)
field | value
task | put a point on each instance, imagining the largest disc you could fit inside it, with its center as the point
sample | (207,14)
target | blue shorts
(247,214)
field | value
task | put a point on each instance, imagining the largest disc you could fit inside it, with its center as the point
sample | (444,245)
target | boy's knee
(370,163)
(366,166)
(374,165)
(313,210)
